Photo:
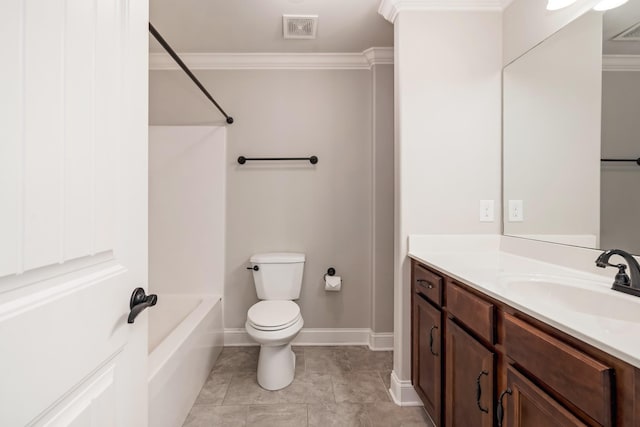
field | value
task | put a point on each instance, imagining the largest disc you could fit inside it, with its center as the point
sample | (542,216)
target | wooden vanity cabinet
(530,406)
(483,347)
(426,331)
(427,356)
(470,378)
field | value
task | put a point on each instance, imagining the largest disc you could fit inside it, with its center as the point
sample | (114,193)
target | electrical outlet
(486,211)
(516,211)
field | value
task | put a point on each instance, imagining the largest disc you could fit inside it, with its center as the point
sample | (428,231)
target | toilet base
(276,366)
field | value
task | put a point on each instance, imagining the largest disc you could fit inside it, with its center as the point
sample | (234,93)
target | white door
(73,212)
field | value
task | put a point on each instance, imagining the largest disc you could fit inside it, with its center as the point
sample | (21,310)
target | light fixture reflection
(609,4)
(560,4)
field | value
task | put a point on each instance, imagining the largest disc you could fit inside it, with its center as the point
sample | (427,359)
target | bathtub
(185,338)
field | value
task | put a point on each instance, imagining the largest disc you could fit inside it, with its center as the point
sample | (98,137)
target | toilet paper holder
(330,272)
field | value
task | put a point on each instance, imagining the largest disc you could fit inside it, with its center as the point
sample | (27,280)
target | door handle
(500,408)
(479,392)
(139,301)
(431,340)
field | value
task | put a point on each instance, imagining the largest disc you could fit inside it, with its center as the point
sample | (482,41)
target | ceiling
(615,22)
(256,25)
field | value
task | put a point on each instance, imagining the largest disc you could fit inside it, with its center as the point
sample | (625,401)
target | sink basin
(571,295)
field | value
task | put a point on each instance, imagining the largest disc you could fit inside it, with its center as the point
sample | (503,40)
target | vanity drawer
(474,312)
(580,379)
(427,283)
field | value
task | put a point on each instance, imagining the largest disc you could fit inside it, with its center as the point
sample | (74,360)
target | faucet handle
(622,278)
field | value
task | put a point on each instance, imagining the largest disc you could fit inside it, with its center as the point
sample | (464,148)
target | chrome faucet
(622,281)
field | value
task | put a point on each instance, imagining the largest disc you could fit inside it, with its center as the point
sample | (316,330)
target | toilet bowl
(274,324)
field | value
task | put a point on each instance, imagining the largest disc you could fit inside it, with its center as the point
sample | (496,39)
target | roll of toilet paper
(332,283)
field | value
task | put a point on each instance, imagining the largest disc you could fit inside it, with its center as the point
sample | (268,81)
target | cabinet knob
(425,283)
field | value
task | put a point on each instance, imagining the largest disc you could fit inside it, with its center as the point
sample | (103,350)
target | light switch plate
(516,211)
(486,211)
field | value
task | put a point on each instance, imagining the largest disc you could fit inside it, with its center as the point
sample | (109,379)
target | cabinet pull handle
(431,340)
(422,282)
(500,408)
(479,392)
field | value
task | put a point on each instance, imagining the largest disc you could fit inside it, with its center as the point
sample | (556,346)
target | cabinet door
(530,406)
(469,390)
(427,359)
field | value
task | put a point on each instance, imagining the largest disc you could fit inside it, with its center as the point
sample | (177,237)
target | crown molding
(621,63)
(390,9)
(275,61)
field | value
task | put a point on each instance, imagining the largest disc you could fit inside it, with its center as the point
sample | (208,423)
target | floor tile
(388,414)
(277,415)
(386,378)
(307,387)
(214,389)
(338,414)
(237,359)
(218,416)
(326,359)
(359,387)
(363,359)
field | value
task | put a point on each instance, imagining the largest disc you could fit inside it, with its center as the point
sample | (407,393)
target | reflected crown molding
(621,63)
(275,61)
(389,9)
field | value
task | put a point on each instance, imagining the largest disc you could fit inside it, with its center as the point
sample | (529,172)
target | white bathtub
(185,339)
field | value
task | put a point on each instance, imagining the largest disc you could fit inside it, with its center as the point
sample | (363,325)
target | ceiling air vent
(630,34)
(300,26)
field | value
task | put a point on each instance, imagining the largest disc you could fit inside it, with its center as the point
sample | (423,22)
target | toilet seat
(273,315)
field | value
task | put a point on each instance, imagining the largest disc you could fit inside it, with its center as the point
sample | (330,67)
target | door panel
(468,365)
(427,368)
(73,212)
(530,406)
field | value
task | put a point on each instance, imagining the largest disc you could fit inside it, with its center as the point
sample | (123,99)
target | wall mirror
(571,134)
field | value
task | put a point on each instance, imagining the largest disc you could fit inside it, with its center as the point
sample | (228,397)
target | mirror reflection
(572,132)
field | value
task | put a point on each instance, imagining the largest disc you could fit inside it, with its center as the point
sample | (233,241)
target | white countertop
(587,317)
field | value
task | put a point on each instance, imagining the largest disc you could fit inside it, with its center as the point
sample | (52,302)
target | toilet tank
(278,275)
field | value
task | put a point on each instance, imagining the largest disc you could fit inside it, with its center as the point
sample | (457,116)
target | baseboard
(317,336)
(403,393)
(381,341)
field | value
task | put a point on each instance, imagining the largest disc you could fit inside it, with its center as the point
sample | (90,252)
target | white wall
(620,206)
(187,177)
(326,210)
(526,23)
(551,157)
(448,107)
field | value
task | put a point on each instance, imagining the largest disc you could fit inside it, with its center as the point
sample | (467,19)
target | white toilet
(276,320)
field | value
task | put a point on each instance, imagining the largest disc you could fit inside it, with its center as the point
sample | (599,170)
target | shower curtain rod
(186,69)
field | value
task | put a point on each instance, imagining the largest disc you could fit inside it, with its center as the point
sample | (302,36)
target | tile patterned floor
(334,386)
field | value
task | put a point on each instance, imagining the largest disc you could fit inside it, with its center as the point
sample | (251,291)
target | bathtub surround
(187,175)
(335,212)
(184,355)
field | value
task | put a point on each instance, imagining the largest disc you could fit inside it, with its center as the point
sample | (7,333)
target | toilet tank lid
(277,258)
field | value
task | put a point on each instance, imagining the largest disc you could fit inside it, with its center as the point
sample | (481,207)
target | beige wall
(448,107)
(551,156)
(325,211)
(620,206)
(382,319)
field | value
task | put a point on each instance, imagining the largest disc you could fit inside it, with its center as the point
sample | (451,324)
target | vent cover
(630,34)
(300,26)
